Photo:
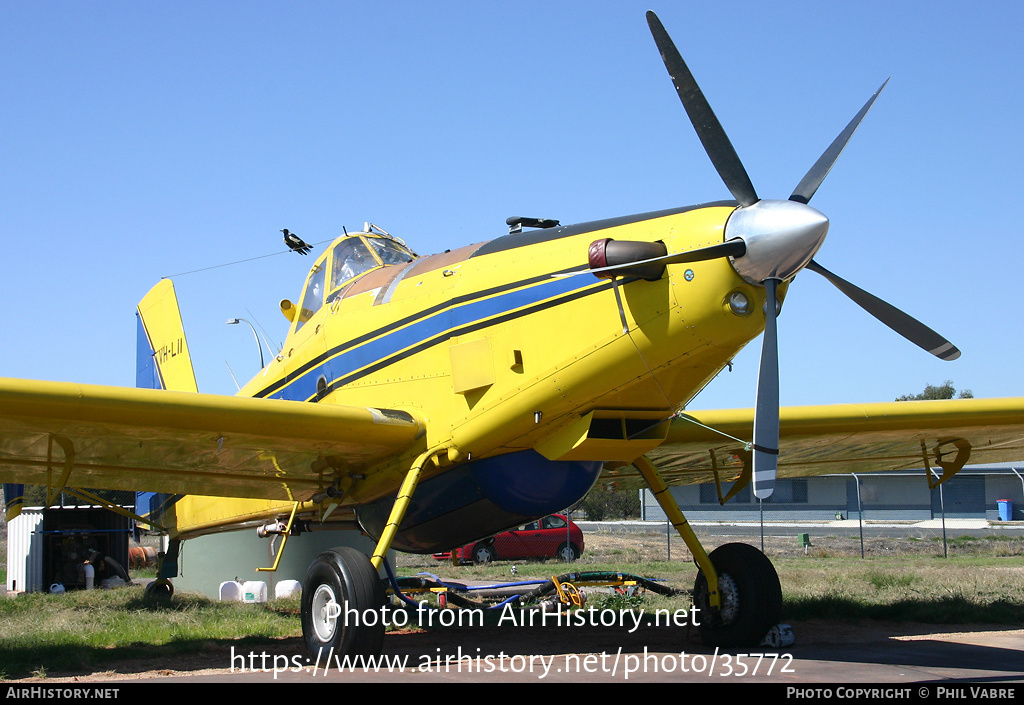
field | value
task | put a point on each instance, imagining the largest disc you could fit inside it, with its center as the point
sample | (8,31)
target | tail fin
(162,362)
(162,359)
(14,498)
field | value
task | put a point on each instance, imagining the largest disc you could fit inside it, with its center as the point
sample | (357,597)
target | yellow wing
(187,443)
(843,438)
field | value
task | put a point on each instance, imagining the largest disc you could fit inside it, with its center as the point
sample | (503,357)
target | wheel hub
(728,598)
(325,611)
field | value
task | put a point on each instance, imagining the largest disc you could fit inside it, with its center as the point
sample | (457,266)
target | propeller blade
(709,130)
(730,248)
(817,173)
(766,408)
(910,328)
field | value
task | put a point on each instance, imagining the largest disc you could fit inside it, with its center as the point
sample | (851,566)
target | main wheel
(342,601)
(750,597)
(567,552)
(483,553)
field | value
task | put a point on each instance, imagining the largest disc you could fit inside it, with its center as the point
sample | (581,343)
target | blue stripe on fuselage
(432,330)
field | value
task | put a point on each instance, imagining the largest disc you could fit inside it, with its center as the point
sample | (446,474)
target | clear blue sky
(144,139)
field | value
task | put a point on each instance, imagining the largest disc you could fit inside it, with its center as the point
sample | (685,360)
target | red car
(546,538)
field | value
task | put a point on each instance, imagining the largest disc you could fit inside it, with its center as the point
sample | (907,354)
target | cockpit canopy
(346,260)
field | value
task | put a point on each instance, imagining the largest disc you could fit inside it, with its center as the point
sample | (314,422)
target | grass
(898,582)
(891,581)
(958,590)
(85,630)
(982,582)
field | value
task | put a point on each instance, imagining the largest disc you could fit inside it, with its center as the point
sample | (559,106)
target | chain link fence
(892,504)
(903,496)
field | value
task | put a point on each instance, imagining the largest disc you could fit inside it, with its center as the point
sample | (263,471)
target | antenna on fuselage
(516,223)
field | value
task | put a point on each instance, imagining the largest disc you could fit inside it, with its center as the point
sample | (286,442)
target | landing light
(739,303)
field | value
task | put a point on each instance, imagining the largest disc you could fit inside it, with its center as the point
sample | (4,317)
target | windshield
(390,252)
(351,258)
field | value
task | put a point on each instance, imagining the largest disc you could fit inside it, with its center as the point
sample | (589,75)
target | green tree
(35,496)
(602,505)
(946,391)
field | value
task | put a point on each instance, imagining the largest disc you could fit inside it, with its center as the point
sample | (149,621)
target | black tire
(345,577)
(567,552)
(751,597)
(159,590)
(483,554)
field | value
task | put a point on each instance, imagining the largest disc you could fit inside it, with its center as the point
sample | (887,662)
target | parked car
(545,538)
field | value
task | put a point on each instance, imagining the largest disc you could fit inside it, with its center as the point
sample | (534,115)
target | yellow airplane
(430,401)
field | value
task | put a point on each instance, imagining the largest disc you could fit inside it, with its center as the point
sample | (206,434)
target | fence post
(860,515)
(942,509)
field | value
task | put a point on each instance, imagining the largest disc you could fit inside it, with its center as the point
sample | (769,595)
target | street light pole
(236,321)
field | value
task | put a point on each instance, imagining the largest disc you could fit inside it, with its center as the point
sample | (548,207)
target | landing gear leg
(737,592)
(162,589)
(412,478)
(675,515)
(342,595)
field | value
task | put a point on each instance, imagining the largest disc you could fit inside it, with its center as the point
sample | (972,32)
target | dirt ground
(217,659)
(633,550)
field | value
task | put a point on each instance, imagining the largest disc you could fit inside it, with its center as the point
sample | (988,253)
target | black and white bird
(295,243)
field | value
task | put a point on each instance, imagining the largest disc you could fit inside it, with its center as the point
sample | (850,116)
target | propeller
(910,328)
(817,173)
(779,239)
(709,130)
(766,407)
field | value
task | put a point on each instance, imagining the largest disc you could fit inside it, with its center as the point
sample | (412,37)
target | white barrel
(230,591)
(254,591)
(287,588)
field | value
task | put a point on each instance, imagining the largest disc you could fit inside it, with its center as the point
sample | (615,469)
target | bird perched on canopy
(295,243)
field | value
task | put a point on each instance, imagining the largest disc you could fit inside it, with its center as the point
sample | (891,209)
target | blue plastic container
(1005,509)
